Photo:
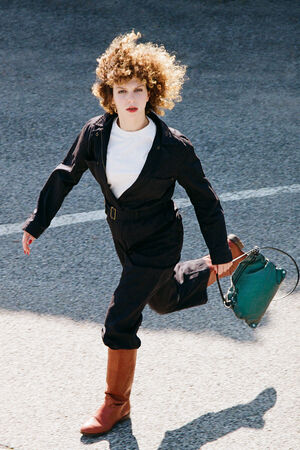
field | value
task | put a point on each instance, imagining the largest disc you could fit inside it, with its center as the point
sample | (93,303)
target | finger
(24,239)
(225,267)
(229,266)
(26,242)
(220,271)
(25,246)
(29,241)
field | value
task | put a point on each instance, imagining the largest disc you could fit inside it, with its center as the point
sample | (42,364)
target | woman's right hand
(26,241)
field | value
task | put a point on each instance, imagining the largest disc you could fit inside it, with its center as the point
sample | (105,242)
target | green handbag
(253,286)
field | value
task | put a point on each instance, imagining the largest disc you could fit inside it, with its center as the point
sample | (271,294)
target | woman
(136,158)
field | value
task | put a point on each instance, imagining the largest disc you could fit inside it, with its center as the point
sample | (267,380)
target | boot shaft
(120,373)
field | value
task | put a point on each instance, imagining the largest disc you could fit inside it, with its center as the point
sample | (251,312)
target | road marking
(70,219)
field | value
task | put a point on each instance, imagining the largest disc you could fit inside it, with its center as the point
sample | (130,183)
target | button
(158,147)
(97,134)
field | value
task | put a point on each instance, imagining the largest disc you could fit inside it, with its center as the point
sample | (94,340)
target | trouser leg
(184,289)
(187,287)
(124,315)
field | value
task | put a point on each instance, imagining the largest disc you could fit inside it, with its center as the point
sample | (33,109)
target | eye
(139,90)
(121,91)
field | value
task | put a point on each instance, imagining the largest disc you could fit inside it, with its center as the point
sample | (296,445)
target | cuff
(33,227)
(221,255)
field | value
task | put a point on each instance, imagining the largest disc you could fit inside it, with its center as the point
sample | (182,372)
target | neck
(133,124)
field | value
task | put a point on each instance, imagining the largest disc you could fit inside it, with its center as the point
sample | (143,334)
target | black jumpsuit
(145,224)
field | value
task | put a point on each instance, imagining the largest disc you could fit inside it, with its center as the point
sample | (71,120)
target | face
(130,98)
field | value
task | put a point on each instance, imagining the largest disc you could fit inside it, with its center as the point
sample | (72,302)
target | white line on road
(70,219)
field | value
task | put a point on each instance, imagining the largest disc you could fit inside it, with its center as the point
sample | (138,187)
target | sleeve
(207,205)
(59,184)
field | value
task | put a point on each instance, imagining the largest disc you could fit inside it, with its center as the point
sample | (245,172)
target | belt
(114,213)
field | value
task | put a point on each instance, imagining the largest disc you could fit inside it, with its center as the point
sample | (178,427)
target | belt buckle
(113,213)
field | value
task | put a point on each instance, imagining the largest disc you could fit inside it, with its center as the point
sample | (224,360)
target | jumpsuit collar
(105,122)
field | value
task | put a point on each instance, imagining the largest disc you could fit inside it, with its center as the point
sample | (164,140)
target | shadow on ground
(213,426)
(204,429)
(120,438)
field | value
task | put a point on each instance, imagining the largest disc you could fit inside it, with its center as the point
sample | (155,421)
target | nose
(131,97)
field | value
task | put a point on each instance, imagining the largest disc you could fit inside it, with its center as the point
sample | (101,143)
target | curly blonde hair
(124,59)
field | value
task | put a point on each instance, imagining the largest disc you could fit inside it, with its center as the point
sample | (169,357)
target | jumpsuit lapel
(104,139)
(149,163)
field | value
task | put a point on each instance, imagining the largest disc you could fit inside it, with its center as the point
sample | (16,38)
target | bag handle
(227,303)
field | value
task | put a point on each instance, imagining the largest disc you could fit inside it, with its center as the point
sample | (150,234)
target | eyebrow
(124,87)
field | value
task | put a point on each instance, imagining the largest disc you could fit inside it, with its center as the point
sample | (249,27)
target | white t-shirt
(127,152)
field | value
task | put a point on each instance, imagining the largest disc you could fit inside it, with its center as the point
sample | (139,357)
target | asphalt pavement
(204,379)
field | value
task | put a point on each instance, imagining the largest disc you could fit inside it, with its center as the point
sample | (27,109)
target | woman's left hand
(221,268)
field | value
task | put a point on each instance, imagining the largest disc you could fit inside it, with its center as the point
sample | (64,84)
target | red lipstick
(131,109)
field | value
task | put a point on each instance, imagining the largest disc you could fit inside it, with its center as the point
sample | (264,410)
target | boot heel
(236,240)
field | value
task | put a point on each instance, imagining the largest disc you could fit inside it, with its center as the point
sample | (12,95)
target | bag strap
(295,264)
(227,303)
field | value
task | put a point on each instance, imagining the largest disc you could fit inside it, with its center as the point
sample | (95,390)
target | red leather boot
(236,246)
(116,406)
